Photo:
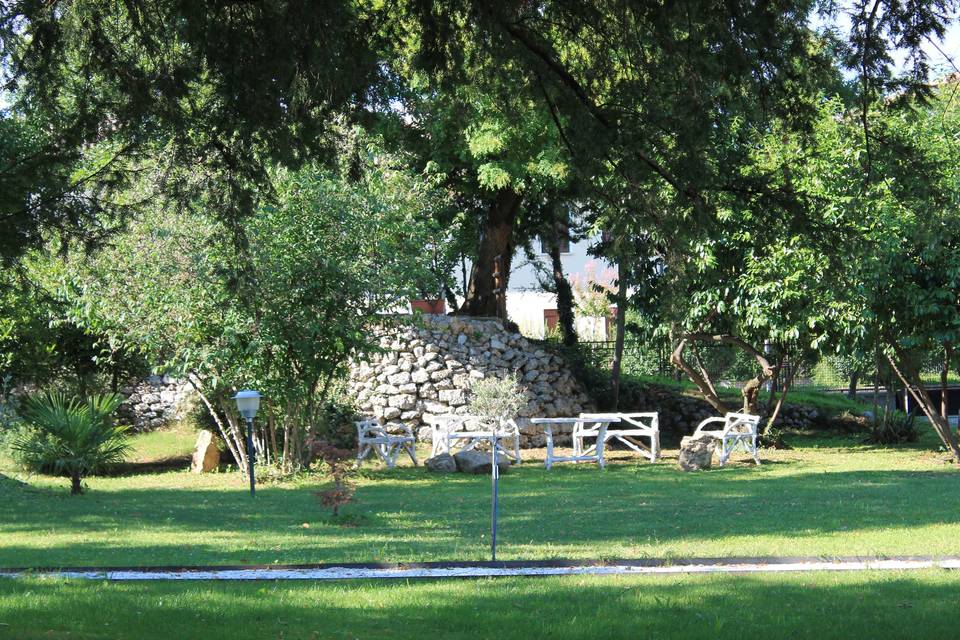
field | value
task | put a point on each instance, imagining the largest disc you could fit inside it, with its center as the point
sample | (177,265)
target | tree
(893,210)
(71,437)
(485,138)
(325,262)
(224,89)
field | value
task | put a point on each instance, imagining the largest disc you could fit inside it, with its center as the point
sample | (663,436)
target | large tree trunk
(496,239)
(910,377)
(621,328)
(564,291)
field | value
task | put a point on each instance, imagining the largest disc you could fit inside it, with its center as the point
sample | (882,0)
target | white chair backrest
(741,423)
(368,427)
(646,420)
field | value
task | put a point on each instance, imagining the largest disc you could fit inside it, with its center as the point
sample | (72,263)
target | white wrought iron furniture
(373,436)
(582,427)
(631,428)
(447,429)
(738,431)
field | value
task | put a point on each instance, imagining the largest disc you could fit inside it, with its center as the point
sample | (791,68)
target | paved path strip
(441,570)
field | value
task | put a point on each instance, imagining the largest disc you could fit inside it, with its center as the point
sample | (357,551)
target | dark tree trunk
(75,487)
(854,381)
(496,239)
(944,373)
(565,316)
(621,327)
(450,297)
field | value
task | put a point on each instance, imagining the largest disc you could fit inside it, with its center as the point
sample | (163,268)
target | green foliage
(71,437)
(321,264)
(219,92)
(41,345)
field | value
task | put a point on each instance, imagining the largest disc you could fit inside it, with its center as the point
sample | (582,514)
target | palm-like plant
(71,437)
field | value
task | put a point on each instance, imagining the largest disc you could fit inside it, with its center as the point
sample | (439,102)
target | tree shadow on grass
(158,465)
(409,516)
(820,606)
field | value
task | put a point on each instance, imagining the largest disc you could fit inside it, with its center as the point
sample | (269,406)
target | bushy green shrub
(71,437)
(336,425)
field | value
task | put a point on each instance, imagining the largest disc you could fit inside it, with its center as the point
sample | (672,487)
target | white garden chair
(738,431)
(631,428)
(447,429)
(582,428)
(373,436)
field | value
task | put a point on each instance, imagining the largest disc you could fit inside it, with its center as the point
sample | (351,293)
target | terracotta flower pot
(437,306)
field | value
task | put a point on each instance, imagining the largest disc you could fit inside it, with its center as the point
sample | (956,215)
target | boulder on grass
(697,453)
(206,455)
(479,462)
(442,463)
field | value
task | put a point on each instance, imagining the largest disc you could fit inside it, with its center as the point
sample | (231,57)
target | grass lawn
(176,441)
(828,496)
(817,605)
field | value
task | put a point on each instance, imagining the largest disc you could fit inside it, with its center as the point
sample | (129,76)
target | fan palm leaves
(71,437)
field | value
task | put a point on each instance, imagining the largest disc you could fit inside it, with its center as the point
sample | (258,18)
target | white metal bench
(739,431)
(632,426)
(373,436)
(582,427)
(449,428)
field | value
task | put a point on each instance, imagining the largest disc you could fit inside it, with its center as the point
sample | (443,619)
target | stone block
(206,453)
(453,397)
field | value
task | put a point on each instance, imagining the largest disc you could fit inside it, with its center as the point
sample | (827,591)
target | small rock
(479,462)
(696,453)
(442,463)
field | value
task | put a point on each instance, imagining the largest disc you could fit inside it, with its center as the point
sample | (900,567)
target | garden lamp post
(247,404)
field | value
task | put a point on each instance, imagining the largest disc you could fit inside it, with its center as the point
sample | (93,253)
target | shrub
(336,422)
(339,465)
(892,427)
(497,398)
(71,437)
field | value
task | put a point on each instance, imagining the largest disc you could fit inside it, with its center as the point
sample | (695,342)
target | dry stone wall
(426,369)
(154,402)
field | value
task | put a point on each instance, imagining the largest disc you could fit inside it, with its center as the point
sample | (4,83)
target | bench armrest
(709,421)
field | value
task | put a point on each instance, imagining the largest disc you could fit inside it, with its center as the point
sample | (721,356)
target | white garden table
(582,427)
(445,432)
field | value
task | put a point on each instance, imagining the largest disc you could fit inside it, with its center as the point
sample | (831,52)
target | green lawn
(828,496)
(820,606)
(172,442)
